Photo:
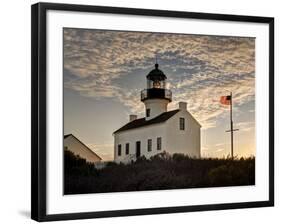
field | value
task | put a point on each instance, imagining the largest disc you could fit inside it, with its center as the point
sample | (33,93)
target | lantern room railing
(156,93)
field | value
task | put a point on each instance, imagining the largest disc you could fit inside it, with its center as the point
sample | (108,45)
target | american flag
(226,100)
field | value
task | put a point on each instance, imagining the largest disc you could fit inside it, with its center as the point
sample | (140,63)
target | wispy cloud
(199,68)
(219,150)
(245,126)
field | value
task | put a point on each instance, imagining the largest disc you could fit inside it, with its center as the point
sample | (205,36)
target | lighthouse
(155,97)
(160,130)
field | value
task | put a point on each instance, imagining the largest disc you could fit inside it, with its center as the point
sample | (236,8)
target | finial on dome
(156,63)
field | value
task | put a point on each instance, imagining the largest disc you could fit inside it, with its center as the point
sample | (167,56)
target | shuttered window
(182,123)
(149,145)
(159,143)
(119,150)
(127,148)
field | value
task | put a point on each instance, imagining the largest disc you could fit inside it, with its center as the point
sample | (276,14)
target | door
(138,149)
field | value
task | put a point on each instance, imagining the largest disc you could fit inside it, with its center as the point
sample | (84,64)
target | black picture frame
(39,122)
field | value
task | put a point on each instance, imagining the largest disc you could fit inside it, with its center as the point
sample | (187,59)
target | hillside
(162,171)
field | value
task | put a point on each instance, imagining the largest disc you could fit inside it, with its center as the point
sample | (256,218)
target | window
(156,84)
(159,143)
(127,148)
(119,150)
(149,145)
(138,149)
(182,123)
(147,112)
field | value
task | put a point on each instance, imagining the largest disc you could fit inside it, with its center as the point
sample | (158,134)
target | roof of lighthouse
(143,122)
(156,74)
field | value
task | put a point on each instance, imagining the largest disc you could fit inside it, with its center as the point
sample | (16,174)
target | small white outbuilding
(74,145)
(175,131)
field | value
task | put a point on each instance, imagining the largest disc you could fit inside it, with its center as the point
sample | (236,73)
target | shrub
(162,171)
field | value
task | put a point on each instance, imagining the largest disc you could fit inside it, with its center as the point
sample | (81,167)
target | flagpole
(231,125)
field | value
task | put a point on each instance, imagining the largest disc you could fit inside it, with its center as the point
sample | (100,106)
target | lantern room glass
(156,84)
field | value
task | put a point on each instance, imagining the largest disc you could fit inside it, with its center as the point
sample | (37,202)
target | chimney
(133,117)
(182,105)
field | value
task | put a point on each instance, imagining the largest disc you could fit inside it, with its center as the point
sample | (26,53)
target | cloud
(245,126)
(219,144)
(199,68)
(220,150)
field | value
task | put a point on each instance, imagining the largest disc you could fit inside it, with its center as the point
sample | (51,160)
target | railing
(155,93)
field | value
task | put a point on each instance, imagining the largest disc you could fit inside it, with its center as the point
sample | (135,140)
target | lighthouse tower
(155,97)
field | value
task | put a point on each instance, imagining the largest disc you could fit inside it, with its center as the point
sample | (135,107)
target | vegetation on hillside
(163,171)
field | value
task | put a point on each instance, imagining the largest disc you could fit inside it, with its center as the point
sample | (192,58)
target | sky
(104,72)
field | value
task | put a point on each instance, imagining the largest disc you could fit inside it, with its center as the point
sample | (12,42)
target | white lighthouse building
(175,131)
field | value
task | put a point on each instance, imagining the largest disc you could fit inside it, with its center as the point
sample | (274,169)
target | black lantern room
(156,86)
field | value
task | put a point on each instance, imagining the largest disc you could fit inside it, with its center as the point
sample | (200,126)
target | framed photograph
(139,111)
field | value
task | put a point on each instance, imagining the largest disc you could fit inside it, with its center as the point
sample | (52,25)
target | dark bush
(162,171)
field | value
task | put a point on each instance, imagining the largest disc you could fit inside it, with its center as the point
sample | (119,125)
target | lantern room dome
(156,74)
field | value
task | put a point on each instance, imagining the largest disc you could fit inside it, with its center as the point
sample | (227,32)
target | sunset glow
(105,71)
